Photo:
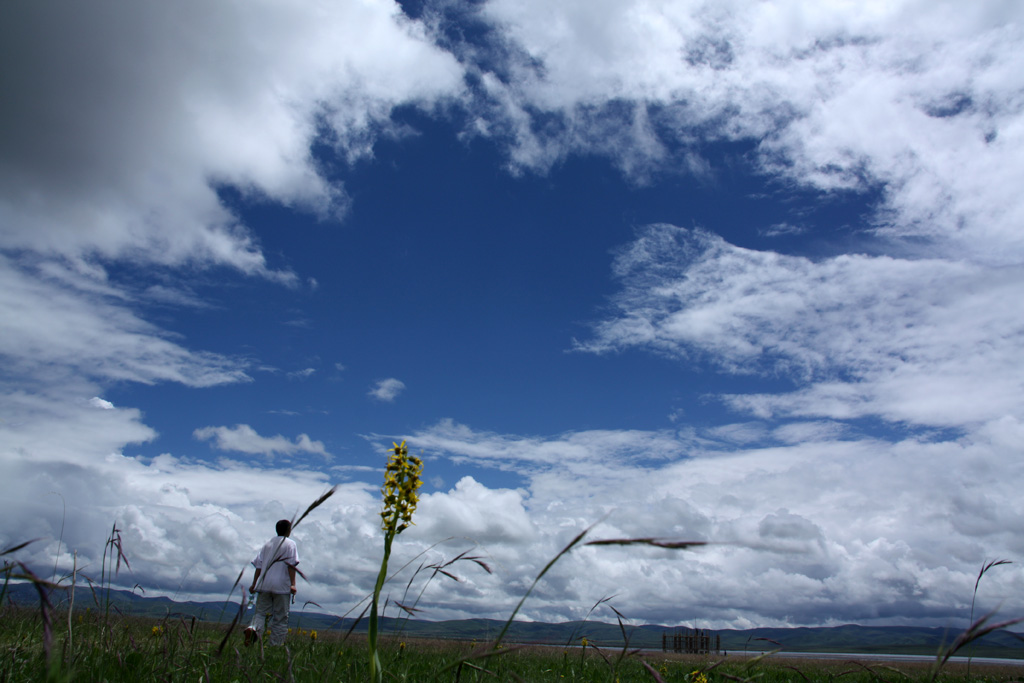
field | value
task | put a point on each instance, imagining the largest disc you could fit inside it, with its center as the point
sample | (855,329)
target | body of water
(877,657)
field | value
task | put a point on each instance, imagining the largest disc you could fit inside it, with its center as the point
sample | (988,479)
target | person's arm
(291,575)
(252,588)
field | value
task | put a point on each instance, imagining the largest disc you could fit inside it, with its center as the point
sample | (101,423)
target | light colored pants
(274,605)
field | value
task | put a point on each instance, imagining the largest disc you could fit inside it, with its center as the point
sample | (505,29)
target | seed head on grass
(979,629)
(314,505)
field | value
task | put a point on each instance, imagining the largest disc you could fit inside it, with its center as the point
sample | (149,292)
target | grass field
(98,647)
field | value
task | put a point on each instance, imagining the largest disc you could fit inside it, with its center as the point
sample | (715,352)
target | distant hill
(849,638)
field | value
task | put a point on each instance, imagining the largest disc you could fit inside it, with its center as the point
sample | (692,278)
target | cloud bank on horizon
(865,376)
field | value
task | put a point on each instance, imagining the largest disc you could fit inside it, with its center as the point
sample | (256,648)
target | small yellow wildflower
(312,635)
(401,647)
(583,641)
(157,631)
(698,676)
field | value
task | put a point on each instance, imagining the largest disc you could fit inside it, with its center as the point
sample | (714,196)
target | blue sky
(740,272)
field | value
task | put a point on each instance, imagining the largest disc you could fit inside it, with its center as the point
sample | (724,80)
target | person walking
(274,584)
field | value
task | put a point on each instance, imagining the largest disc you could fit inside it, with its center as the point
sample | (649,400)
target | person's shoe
(251,636)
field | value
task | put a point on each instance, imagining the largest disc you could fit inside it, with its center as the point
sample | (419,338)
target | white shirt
(273,561)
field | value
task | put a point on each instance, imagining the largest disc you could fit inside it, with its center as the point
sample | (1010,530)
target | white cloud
(823,531)
(174,296)
(581,452)
(120,128)
(244,439)
(386,389)
(57,321)
(826,531)
(167,509)
(781,229)
(923,341)
(117,136)
(472,510)
(918,100)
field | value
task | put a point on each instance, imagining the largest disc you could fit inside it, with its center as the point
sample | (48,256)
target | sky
(741,272)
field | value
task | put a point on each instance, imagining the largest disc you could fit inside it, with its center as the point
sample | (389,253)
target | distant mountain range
(850,638)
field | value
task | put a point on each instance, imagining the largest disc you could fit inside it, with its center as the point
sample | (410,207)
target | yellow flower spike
(399,493)
(399,498)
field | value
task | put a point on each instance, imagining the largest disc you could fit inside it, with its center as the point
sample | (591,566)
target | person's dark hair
(284,527)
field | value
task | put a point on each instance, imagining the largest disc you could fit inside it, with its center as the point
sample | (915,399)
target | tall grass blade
(974,596)
(314,505)
(653,672)
(238,615)
(655,542)
(71,602)
(8,568)
(16,548)
(572,544)
(575,632)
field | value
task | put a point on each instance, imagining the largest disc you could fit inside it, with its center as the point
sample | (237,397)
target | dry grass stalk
(977,630)
(974,596)
(42,587)
(655,542)
(314,505)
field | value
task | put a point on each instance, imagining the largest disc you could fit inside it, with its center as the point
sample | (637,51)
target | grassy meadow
(93,646)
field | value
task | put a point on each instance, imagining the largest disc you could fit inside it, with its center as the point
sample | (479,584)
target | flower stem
(376,671)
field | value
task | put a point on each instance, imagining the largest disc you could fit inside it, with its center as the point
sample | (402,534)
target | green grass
(145,649)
